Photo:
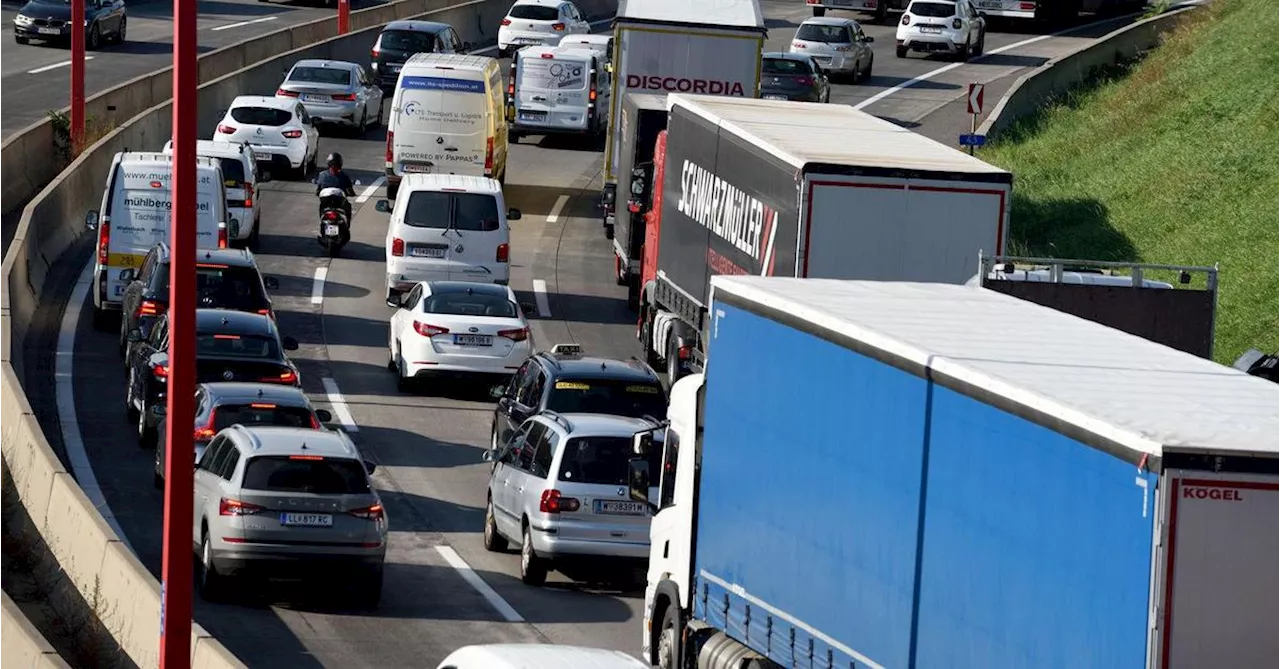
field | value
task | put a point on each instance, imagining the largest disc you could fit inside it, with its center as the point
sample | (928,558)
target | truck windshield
(603,460)
(608,396)
(545,74)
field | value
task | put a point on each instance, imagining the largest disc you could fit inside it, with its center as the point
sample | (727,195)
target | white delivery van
(558,90)
(447,227)
(240,178)
(135,214)
(447,117)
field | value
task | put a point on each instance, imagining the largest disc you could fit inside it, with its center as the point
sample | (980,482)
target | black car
(221,405)
(565,381)
(225,279)
(401,39)
(793,76)
(230,346)
(50,21)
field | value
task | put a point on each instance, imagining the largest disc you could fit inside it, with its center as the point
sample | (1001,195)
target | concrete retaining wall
(1037,88)
(24,647)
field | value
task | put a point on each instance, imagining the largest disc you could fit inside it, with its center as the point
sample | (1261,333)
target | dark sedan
(793,76)
(50,21)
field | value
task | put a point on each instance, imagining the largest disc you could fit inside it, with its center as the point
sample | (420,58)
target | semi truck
(642,117)
(778,188)
(896,474)
(670,46)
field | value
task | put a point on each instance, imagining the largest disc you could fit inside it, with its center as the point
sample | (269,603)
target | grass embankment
(1171,161)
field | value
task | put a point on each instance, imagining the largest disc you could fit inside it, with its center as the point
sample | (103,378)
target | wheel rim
(526,552)
(123,26)
(488,522)
(93,37)
(666,648)
(206,561)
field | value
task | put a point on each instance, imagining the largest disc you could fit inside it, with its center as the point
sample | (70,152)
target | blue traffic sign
(973,140)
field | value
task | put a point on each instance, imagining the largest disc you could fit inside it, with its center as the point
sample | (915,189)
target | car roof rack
(557,417)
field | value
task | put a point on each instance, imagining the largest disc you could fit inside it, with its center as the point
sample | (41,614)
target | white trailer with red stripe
(775,188)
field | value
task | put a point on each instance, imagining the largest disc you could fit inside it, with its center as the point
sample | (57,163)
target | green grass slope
(1172,161)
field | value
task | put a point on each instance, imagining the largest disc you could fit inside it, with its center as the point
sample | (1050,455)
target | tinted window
(239,346)
(606,396)
(407,41)
(321,75)
(225,287)
(546,452)
(232,172)
(812,32)
(471,212)
(260,116)
(254,415)
(475,212)
(227,465)
(326,476)
(602,460)
(534,12)
(785,66)
(470,304)
(934,9)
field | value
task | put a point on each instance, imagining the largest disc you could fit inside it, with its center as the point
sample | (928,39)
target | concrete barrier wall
(51,234)
(1041,86)
(24,647)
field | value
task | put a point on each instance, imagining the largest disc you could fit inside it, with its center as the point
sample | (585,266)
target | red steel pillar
(77,75)
(344,16)
(175,568)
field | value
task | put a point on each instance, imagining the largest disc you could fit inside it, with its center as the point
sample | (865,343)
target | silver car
(559,488)
(838,45)
(335,92)
(290,503)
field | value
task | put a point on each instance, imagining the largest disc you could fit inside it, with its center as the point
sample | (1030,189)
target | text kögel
(1224,494)
(683,85)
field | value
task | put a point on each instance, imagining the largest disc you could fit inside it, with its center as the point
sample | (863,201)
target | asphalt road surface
(428,445)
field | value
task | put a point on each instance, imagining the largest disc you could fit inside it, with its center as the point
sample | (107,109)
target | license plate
(416,169)
(840,3)
(49,31)
(260,155)
(315,98)
(930,29)
(427,252)
(525,40)
(620,508)
(472,340)
(775,97)
(306,519)
(330,230)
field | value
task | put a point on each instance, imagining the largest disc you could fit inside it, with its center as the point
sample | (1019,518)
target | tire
(121,31)
(667,646)
(157,474)
(146,433)
(866,74)
(633,294)
(364,124)
(819,11)
(392,190)
(21,40)
(504,53)
(157,481)
(255,237)
(93,41)
(901,51)
(130,414)
(982,43)
(962,54)
(646,340)
(403,383)
(493,540)
(533,569)
(123,342)
(369,588)
(673,363)
(211,585)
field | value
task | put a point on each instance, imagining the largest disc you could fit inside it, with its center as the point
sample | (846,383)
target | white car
(280,131)
(937,26)
(240,178)
(538,656)
(539,23)
(452,327)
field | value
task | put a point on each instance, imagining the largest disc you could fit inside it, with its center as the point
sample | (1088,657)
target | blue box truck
(886,474)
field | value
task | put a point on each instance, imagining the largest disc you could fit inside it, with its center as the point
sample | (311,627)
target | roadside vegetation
(1172,160)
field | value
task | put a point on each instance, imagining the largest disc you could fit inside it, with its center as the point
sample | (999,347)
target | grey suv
(559,489)
(293,502)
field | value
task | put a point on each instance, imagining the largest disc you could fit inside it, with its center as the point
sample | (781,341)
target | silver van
(558,90)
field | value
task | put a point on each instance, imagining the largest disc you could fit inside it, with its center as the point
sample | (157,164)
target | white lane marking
(593,24)
(368,192)
(229,26)
(470,576)
(339,405)
(557,208)
(317,285)
(540,297)
(64,386)
(55,66)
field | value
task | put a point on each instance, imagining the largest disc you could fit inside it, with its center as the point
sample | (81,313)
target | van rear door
(442,125)
(551,92)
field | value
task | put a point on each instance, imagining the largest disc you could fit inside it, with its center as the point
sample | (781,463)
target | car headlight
(22,20)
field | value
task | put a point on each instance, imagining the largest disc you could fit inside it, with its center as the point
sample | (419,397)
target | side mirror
(489,456)
(638,483)
(289,343)
(513,214)
(356,183)
(497,392)
(323,416)
(315,180)
(529,307)
(868,39)
(159,358)
(271,282)
(393,301)
(128,274)
(234,228)
(642,443)
(383,206)
(134,336)
(91,220)
(369,467)
(467,46)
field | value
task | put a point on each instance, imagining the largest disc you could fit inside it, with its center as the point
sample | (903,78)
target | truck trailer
(677,46)
(777,188)
(897,474)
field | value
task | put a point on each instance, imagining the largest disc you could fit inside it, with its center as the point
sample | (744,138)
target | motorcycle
(335,226)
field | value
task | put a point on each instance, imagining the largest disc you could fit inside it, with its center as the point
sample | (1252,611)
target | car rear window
(471,212)
(469,304)
(938,10)
(260,116)
(534,12)
(323,476)
(785,66)
(553,74)
(234,345)
(232,172)
(608,396)
(261,414)
(226,287)
(812,32)
(407,41)
(602,460)
(321,75)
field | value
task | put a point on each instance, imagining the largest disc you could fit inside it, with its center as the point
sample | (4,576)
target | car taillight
(147,308)
(906,19)
(804,81)
(292,134)
(234,507)
(288,376)
(226,129)
(553,502)
(428,330)
(397,247)
(104,241)
(206,431)
(518,334)
(955,23)
(290,94)
(222,236)
(248,195)
(315,422)
(391,135)
(558,27)
(591,96)
(345,97)
(373,512)
(506,22)
(488,153)
(330,215)
(504,253)
(161,372)
(267,312)
(1030,6)
(798,45)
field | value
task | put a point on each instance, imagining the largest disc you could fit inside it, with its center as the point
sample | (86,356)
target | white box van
(135,215)
(240,178)
(447,117)
(558,90)
(447,228)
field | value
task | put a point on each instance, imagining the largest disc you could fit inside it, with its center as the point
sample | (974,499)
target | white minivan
(558,90)
(240,178)
(447,227)
(447,118)
(135,214)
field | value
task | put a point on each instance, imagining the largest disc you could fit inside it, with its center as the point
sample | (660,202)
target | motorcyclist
(334,177)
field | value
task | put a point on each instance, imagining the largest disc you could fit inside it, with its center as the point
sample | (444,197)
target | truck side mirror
(383,206)
(323,416)
(271,283)
(642,443)
(513,214)
(289,343)
(91,220)
(638,482)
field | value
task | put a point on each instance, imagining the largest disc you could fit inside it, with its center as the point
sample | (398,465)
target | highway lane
(35,77)
(429,444)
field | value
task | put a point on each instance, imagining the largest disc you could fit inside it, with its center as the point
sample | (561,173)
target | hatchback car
(230,346)
(287,502)
(401,39)
(50,21)
(280,131)
(540,23)
(838,45)
(240,180)
(225,279)
(936,26)
(221,405)
(334,92)
(537,656)
(559,489)
(793,76)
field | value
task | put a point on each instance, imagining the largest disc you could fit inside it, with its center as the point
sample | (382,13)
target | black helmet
(334,160)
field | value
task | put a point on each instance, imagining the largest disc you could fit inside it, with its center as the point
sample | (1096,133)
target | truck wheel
(633,294)
(902,52)
(673,362)
(668,646)
(819,11)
